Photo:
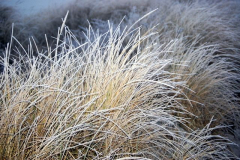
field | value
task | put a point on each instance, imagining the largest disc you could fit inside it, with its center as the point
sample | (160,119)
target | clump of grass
(212,73)
(100,100)
(214,80)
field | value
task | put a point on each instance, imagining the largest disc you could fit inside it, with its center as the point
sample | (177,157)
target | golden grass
(166,91)
(100,100)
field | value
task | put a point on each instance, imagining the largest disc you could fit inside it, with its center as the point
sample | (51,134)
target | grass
(147,92)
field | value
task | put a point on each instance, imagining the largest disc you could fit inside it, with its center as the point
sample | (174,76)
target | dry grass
(163,91)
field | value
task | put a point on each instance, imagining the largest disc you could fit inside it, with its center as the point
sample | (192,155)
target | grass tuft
(166,87)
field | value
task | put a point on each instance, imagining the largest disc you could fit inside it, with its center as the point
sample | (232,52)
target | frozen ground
(28,7)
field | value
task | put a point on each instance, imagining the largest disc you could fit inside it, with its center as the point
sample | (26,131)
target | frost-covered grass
(164,86)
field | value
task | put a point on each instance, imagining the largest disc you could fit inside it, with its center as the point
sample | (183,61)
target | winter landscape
(126,80)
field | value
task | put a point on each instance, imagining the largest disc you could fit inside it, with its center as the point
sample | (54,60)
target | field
(98,79)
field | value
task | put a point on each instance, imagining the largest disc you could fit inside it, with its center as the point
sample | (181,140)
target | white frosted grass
(103,99)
